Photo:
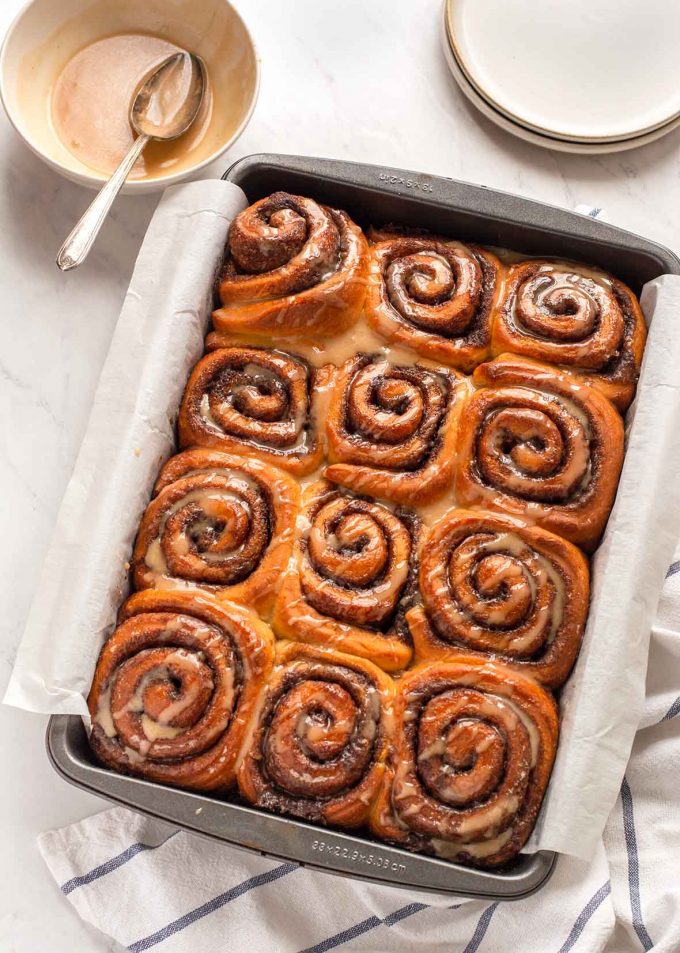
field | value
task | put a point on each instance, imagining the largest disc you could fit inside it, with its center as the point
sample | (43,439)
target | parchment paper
(158,338)
(602,702)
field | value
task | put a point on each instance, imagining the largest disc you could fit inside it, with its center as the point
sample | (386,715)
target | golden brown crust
(585,321)
(493,586)
(260,402)
(320,739)
(217,522)
(539,444)
(175,688)
(292,267)
(352,577)
(474,747)
(433,295)
(391,429)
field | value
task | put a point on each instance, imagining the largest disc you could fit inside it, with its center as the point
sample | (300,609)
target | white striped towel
(151,887)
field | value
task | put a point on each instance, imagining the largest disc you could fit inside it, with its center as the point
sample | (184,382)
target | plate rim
(533,137)
(525,123)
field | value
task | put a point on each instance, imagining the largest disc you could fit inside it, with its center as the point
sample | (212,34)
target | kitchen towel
(152,887)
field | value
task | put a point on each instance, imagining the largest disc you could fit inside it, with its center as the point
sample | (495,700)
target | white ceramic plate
(582,70)
(536,138)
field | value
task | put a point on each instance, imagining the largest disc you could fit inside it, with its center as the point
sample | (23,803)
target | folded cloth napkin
(152,887)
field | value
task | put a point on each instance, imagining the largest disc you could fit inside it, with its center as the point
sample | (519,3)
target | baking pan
(375,195)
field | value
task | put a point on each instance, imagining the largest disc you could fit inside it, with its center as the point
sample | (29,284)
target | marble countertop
(351,80)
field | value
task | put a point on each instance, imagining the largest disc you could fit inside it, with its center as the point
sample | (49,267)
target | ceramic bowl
(45,35)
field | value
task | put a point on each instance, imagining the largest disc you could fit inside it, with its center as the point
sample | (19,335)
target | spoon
(164,107)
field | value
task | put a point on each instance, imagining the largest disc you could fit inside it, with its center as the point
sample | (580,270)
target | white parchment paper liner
(602,702)
(158,338)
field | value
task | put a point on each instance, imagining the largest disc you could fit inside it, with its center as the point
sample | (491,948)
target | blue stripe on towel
(219,901)
(351,933)
(673,711)
(480,929)
(633,866)
(403,913)
(110,865)
(585,915)
(673,569)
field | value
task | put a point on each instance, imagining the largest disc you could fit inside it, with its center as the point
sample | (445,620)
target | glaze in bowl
(45,36)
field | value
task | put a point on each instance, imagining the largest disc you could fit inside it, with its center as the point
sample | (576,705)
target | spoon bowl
(168,101)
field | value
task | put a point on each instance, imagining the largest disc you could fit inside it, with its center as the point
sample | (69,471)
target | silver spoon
(164,107)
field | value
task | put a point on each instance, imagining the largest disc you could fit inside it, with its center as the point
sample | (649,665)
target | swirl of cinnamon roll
(391,429)
(474,747)
(495,586)
(175,687)
(540,444)
(217,522)
(352,578)
(292,266)
(435,296)
(586,321)
(319,745)
(258,402)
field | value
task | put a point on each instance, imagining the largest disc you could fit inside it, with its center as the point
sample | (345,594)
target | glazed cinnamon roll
(318,747)
(260,402)
(586,321)
(434,296)
(217,522)
(391,429)
(352,578)
(492,585)
(175,688)
(293,267)
(542,445)
(474,746)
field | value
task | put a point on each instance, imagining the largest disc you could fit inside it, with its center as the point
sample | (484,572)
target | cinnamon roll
(319,744)
(352,578)
(175,688)
(491,585)
(256,401)
(474,746)
(434,296)
(586,321)
(541,445)
(391,429)
(217,522)
(292,266)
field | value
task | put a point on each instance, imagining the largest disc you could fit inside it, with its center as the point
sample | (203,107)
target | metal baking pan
(375,195)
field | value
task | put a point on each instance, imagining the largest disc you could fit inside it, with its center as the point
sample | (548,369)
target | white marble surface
(352,80)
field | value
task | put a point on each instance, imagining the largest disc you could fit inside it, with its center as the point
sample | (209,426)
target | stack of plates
(584,76)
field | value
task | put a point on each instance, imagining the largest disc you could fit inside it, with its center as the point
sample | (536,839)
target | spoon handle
(76,248)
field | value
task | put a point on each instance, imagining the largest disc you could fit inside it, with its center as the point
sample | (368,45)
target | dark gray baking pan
(375,195)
